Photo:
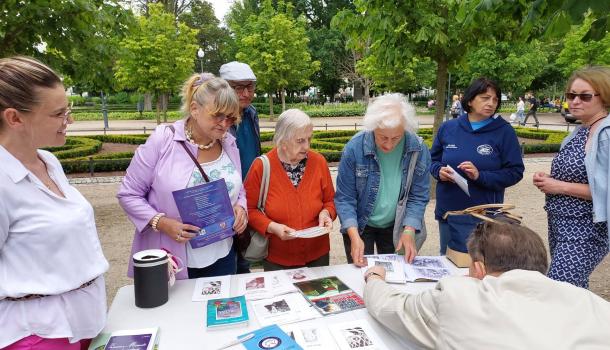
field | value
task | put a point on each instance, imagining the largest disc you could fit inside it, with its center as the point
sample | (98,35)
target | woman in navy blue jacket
(480,146)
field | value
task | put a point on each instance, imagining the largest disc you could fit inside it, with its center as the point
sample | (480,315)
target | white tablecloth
(182,322)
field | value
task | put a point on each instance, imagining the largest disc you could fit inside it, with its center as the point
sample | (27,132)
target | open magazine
(422,269)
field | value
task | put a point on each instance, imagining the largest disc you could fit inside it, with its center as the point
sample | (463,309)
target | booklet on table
(329,295)
(134,339)
(227,312)
(208,207)
(270,337)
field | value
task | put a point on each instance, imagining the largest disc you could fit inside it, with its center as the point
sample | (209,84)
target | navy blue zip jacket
(493,149)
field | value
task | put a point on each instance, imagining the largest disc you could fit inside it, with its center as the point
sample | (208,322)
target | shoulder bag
(258,247)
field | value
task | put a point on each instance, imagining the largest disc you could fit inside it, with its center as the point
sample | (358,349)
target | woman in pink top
(162,165)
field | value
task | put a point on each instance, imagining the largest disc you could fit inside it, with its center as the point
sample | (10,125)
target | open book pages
(310,232)
(427,269)
(263,286)
(392,263)
(422,269)
(357,334)
(283,309)
(311,336)
(212,288)
(136,339)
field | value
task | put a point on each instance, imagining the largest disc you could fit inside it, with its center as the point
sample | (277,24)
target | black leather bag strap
(205,176)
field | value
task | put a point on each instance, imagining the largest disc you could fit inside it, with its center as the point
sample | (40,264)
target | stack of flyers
(329,295)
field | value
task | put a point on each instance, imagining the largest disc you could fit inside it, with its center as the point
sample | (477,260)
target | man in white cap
(241,78)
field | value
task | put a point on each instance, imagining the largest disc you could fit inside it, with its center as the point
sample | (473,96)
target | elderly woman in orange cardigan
(300,196)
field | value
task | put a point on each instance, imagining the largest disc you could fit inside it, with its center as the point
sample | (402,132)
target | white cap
(236,71)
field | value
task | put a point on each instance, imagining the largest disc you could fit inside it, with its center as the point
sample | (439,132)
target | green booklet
(227,312)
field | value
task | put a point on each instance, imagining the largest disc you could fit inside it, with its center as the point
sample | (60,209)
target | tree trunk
(158,109)
(283,97)
(164,101)
(270,107)
(441,91)
(367,90)
(148,102)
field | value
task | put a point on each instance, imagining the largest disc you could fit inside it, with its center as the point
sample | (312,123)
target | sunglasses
(583,97)
(219,118)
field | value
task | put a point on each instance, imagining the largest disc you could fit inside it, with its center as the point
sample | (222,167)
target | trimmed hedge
(75,154)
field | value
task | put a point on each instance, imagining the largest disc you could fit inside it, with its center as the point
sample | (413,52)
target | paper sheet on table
(460,180)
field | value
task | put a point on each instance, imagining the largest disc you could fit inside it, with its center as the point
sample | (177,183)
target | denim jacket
(359,177)
(597,162)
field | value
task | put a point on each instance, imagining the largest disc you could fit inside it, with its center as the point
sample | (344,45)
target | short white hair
(389,111)
(288,123)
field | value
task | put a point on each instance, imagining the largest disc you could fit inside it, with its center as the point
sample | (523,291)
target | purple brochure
(207,206)
(131,342)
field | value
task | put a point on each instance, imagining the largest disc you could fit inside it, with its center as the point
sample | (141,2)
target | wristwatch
(366,277)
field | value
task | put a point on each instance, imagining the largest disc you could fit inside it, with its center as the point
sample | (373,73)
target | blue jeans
(222,266)
(444,234)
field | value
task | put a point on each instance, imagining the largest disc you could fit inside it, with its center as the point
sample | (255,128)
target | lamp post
(200,54)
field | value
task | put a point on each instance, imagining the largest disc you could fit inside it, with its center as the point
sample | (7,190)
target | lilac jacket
(159,167)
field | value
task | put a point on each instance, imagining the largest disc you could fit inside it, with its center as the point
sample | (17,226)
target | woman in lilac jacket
(162,165)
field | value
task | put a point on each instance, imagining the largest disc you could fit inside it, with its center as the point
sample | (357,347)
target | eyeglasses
(65,115)
(219,118)
(583,97)
(240,88)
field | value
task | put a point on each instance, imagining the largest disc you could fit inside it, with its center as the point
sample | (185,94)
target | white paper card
(356,334)
(255,287)
(459,180)
(212,288)
(300,274)
(283,309)
(310,232)
(311,337)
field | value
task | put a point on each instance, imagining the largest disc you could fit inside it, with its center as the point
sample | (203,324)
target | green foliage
(577,53)
(213,39)
(275,45)
(330,144)
(78,147)
(514,65)
(172,115)
(157,55)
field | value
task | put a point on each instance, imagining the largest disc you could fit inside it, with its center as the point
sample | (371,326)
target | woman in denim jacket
(577,187)
(375,163)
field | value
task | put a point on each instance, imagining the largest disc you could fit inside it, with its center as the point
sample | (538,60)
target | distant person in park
(456,106)
(383,185)
(577,198)
(521,111)
(300,196)
(481,147)
(52,290)
(163,165)
(533,103)
(506,301)
(242,80)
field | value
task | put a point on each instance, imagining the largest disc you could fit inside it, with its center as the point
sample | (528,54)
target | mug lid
(150,256)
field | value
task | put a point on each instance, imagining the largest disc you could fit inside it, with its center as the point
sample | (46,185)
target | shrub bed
(75,154)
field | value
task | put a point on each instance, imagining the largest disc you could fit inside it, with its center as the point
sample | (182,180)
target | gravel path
(116,231)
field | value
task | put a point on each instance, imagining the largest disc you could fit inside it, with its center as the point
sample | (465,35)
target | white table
(183,322)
